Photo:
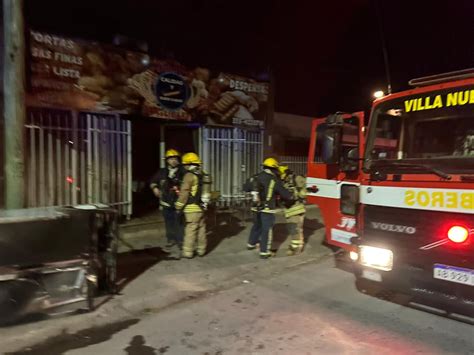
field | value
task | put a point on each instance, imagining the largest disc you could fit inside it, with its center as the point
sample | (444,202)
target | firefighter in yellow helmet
(295,213)
(165,185)
(194,196)
(264,188)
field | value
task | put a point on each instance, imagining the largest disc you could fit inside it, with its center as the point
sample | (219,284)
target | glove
(205,200)
(255,197)
(157,192)
(179,213)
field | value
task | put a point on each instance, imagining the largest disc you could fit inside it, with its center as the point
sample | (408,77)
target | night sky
(325,56)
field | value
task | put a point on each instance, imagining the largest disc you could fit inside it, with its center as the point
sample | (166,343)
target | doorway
(145,162)
(147,157)
(182,137)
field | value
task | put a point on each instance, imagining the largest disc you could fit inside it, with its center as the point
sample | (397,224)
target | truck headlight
(354,256)
(377,258)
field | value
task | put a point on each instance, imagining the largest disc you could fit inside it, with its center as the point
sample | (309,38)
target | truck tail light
(458,234)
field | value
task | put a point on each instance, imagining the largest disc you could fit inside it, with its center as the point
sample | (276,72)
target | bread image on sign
(233,104)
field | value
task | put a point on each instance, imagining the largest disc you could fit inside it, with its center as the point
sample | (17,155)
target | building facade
(100,119)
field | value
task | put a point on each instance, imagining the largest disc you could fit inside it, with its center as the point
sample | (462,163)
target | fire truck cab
(399,193)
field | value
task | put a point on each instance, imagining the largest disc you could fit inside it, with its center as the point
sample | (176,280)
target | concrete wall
(291,134)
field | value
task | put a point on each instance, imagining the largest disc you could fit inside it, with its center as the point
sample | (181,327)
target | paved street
(309,309)
(230,302)
(306,310)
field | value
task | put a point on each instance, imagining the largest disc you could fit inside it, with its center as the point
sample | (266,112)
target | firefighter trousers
(173,226)
(194,234)
(262,232)
(295,230)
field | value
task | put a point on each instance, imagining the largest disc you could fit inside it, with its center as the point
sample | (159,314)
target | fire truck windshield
(435,129)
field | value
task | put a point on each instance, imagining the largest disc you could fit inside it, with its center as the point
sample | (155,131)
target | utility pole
(379,15)
(269,119)
(14,103)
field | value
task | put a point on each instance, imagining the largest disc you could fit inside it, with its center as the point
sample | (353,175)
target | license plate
(454,274)
(372,275)
(342,236)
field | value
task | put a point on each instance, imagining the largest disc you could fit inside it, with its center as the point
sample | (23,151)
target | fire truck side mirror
(350,160)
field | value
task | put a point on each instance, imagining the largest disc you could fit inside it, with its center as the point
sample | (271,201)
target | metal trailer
(55,260)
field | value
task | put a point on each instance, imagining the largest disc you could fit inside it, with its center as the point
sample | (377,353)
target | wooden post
(14,103)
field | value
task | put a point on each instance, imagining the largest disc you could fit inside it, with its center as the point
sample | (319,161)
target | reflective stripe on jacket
(270,186)
(167,180)
(190,189)
(194,189)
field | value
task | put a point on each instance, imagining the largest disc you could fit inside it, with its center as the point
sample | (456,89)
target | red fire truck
(398,195)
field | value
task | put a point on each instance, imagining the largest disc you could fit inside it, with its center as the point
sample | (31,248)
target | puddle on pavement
(64,342)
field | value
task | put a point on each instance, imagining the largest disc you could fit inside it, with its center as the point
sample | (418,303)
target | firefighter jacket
(268,186)
(194,193)
(296,184)
(168,180)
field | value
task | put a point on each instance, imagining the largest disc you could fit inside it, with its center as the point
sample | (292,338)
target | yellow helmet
(172,153)
(271,163)
(191,158)
(283,169)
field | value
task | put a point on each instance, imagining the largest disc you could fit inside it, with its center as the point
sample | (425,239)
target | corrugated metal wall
(231,155)
(78,158)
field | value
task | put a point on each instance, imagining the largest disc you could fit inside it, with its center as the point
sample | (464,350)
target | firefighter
(194,196)
(165,185)
(295,213)
(265,187)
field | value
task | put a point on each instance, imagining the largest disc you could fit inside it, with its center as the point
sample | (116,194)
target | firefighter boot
(175,252)
(296,247)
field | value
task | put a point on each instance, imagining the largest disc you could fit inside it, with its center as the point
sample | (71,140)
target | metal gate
(231,155)
(298,164)
(78,158)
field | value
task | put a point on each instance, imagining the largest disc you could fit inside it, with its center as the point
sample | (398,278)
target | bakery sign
(65,73)
(83,75)
(171,91)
